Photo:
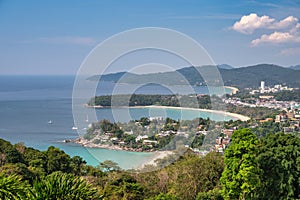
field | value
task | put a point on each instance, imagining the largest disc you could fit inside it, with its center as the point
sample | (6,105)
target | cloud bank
(285,30)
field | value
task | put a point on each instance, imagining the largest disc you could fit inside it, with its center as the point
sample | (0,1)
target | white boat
(87,118)
(49,122)
(74,128)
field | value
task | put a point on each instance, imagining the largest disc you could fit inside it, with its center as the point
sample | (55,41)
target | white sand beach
(157,155)
(234,90)
(235,115)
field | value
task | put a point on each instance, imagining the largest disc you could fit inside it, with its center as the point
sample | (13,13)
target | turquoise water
(28,103)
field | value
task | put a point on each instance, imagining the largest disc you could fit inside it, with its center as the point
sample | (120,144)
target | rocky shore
(89,144)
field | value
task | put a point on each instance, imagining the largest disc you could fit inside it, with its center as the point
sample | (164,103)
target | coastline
(157,155)
(235,115)
(234,90)
(86,143)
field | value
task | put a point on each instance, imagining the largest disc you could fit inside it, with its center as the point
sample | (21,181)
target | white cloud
(276,37)
(287,23)
(249,23)
(285,30)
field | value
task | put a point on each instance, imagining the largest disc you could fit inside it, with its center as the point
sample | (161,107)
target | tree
(184,178)
(9,154)
(36,161)
(240,179)
(19,169)
(76,165)
(121,185)
(13,156)
(191,174)
(57,160)
(61,186)
(12,187)
(279,159)
(109,165)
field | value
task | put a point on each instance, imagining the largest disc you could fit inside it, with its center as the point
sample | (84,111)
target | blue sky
(54,37)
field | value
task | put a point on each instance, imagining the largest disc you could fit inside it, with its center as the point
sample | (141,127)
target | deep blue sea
(28,103)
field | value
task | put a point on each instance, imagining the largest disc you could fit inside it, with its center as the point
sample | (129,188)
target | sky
(54,37)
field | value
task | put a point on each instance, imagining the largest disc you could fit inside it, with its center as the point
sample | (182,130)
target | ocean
(28,103)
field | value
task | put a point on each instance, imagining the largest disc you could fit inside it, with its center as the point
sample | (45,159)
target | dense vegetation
(254,166)
(284,95)
(203,101)
(287,95)
(200,101)
(253,112)
(243,77)
(27,173)
(262,169)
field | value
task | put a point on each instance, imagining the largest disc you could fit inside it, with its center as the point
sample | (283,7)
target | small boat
(87,118)
(74,128)
(50,122)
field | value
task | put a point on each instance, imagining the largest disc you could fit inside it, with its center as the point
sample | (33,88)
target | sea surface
(28,103)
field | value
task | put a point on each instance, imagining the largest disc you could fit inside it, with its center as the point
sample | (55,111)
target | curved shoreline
(88,144)
(234,90)
(235,115)
(156,154)
(225,113)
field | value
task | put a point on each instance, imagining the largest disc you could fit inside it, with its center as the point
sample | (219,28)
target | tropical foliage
(250,168)
(62,186)
(12,187)
(240,178)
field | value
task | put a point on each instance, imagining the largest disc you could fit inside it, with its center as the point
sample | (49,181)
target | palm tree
(12,187)
(61,186)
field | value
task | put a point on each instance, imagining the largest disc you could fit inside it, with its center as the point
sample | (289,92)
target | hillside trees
(185,178)
(240,179)
(279,159)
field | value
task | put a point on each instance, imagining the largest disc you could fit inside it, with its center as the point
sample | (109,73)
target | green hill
(252,75)
(245,77)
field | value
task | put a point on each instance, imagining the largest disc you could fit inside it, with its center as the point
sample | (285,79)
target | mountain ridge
(295,67)
(244,77)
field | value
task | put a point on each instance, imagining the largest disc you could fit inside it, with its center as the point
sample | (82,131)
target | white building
(262,87)
(141,137)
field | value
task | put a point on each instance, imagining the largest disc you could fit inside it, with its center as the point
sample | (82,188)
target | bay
(27,103)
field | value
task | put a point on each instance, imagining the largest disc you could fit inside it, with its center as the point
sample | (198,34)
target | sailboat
(49,122)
